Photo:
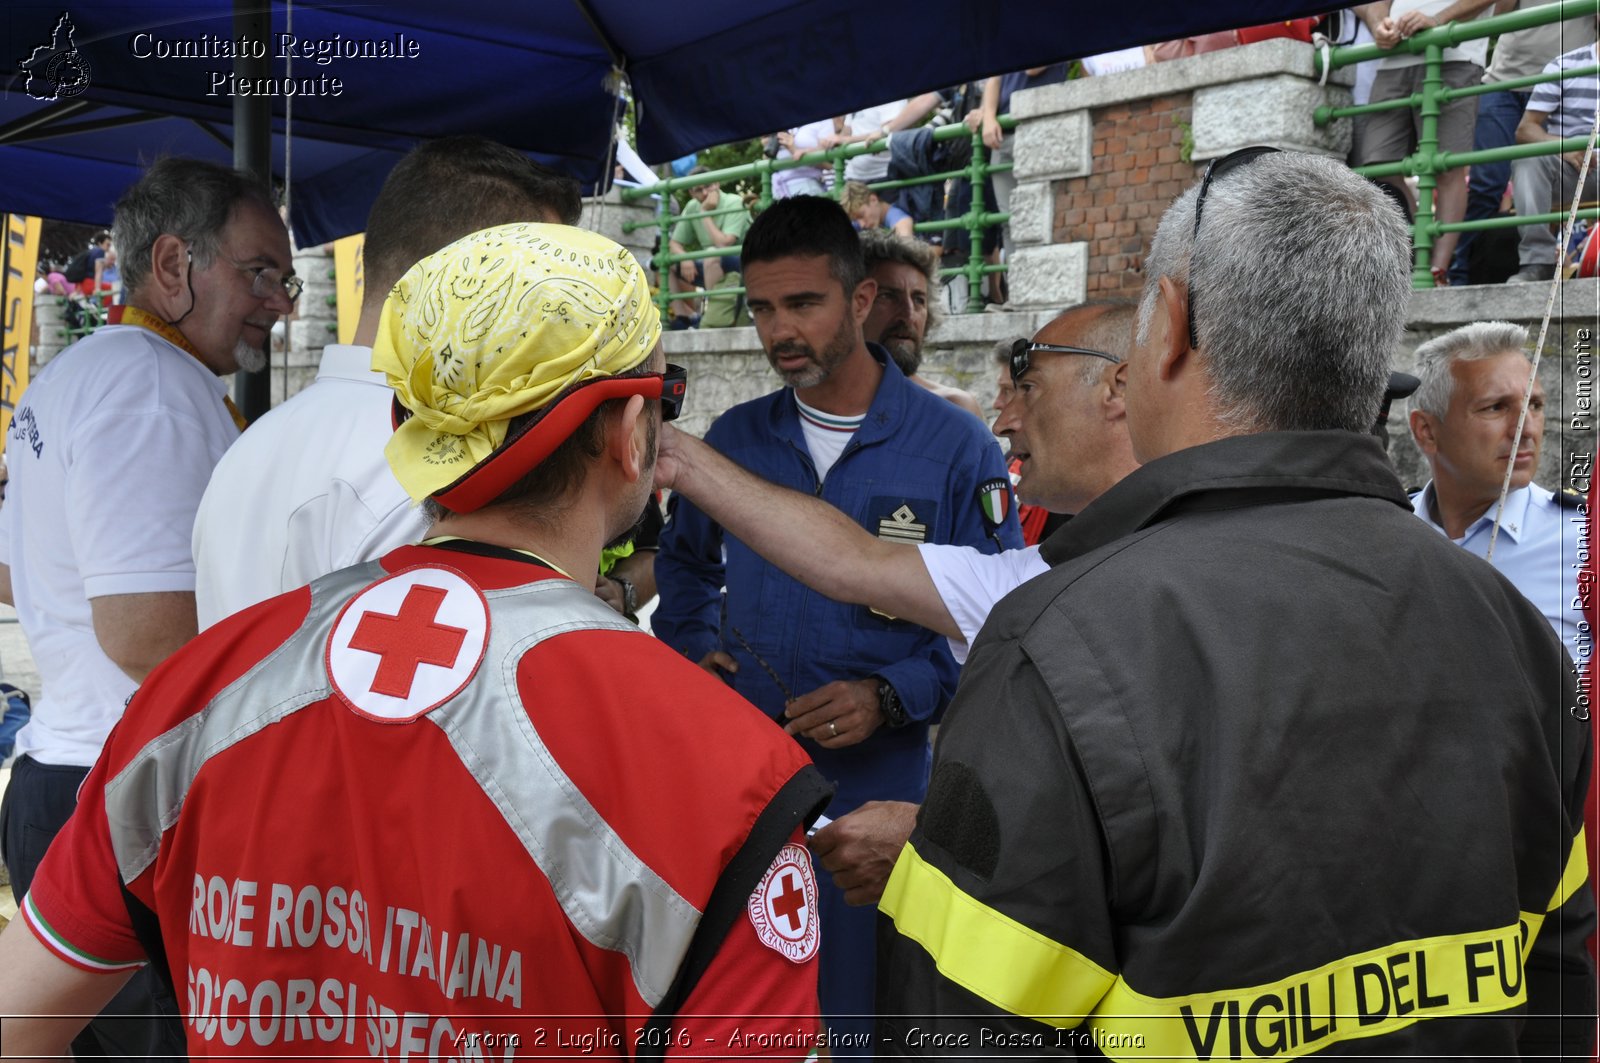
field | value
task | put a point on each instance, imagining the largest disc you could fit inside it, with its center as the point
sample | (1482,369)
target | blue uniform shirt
(1537,550)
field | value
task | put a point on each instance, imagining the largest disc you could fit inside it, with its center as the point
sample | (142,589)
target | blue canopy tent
(533,75)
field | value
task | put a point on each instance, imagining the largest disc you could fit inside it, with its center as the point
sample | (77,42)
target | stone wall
(297,344)
(49,325)
(727,366)
(1097,161)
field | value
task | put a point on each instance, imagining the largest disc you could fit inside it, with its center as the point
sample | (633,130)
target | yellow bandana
(497,325)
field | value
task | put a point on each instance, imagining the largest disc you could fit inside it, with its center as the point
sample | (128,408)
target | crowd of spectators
(1560,109)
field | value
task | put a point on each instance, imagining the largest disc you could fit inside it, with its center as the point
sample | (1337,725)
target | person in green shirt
(701,228)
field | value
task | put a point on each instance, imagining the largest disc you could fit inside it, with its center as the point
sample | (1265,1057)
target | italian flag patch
(995,498)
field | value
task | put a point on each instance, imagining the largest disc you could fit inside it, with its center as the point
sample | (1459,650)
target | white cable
(1544,328)
(288,103)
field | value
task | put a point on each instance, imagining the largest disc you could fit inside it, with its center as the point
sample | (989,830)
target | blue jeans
(1498,115)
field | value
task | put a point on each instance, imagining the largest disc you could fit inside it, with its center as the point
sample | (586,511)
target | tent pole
(252,152)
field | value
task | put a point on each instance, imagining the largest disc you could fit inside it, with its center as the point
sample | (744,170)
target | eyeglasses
(267,281)
(1231,161)
(674,386)
(1021,351)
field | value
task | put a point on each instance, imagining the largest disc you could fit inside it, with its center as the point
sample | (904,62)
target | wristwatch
(889,703)
(630,597)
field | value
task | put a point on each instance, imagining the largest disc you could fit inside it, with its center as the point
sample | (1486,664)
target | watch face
(894,713)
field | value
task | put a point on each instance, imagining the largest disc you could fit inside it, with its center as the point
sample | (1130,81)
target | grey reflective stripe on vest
(612,897)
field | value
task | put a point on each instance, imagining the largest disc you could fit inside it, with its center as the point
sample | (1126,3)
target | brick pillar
(1098,160)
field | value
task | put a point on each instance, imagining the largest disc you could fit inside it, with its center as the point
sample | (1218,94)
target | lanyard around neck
(132,315)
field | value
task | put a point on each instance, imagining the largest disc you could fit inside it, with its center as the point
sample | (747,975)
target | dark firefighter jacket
(1264,766)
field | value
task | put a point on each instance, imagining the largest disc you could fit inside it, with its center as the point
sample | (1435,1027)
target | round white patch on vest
(408,643)
(783,909)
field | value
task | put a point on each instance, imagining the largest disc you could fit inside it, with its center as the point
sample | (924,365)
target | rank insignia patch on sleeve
(902,526)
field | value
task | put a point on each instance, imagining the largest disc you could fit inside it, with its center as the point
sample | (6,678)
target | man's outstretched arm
(807,538)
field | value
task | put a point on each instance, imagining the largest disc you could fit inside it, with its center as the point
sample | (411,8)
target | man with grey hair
(112,448)
(1067,429)
(903,310)
(1464,418)
(1261,766)
(308,491)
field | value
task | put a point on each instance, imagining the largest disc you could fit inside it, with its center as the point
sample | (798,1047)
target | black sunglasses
(674,386)
(1231,161)
(1022,349)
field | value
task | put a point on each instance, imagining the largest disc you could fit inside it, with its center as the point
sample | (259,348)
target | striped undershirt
(826,434)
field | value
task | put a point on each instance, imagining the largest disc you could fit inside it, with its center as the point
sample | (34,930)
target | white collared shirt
(1538,550)
(305,491)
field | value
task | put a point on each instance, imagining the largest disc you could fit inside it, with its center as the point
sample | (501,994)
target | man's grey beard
(250,358)
(910,360)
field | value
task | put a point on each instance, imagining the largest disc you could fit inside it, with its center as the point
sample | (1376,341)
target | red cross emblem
(388,633)
(783,908)
(408,640)
(787,904)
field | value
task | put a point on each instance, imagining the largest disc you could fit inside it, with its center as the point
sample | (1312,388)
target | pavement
(16,668)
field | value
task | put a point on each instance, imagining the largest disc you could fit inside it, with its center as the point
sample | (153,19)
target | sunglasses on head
(1022,355)
(1231,161)
(674,386)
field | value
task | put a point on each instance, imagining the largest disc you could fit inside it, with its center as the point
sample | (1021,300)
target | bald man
(1067,425)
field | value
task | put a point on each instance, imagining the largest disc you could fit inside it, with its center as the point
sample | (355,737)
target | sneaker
(1533,274)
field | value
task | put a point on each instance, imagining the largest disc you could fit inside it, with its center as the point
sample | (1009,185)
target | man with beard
(1069,434)
(308,490)
(115,442)
(453,706)
(858,688)
(904,272)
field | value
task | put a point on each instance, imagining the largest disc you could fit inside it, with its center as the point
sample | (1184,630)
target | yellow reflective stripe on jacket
(1364,995)
(987,953)
(1576,873)
(1367,994)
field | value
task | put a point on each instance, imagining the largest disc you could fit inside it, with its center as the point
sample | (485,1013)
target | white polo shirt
(109,452)
(304,492)
(970,582)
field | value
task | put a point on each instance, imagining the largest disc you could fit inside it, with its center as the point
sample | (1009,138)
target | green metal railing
(91,316)
(1428,162)
(974,221)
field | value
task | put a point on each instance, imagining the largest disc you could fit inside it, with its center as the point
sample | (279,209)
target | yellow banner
(349,283)
(20,257)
